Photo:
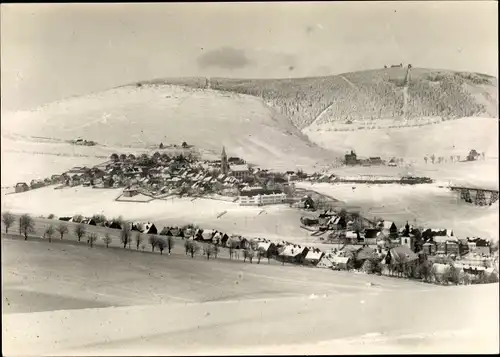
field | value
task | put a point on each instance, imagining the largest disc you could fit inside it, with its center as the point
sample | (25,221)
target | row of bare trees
(27,227)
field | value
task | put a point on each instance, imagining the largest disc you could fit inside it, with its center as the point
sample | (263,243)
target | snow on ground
(431,206)
(480,174)
(454,137)
(219,307)
(25,159)
(169,114)
(273,222)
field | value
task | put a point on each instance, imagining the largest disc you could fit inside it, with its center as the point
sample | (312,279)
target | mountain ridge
(362,95)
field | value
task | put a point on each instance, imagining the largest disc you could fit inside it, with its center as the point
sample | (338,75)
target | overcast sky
(52,51)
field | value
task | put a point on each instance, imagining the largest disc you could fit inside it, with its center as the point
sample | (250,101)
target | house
(36,184)
(376,160)
(112,224)
(145,228)
(88,221)
(108,182)
(342,263)
(313,256)
(130,191)
(364,254)
(55,179)
(239,171)
(403,255)
(236,161)
(268,247)
(293,253)
(479,246)
(76,180)
(429,248)
(324,217)
(371,235)
(224,239)
(352,236)
(237,242)
(337,223)
(351,159)
(388,227)
(326,261)
(22,187)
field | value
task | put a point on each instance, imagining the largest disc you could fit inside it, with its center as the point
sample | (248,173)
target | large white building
(260,197)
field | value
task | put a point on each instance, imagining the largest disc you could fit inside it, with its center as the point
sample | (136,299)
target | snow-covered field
(170,114)
(278,222)
(480,174)
(428,205)
(454,137)
(25,159)
(62,299)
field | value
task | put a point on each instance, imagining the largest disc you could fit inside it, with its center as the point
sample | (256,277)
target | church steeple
(223,159)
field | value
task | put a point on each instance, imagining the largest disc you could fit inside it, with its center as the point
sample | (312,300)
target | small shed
(130,191)
(22,187)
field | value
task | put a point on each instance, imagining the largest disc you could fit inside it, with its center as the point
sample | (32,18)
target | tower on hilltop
(223,161)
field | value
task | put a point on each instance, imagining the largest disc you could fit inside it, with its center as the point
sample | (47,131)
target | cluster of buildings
(184,173)
(383,242)
(344,228)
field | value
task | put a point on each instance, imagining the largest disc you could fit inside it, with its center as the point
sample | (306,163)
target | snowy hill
(453,137)
(367,95)
(147,115)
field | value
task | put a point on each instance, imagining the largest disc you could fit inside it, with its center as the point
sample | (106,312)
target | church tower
(223,161)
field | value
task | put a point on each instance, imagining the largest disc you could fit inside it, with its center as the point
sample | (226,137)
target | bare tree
(433,158)
(77,218)
(231,252)
(80,230)
(215,250)
(26,225)
(207,251)
(153,241)
(106,239)
(125,234)
(248,254)
(92,239)
(425,159)
(193,248)
(261,253)
(161,244)
(62,228)
(49,232)
(8,220)
(137,239)
(99,218)
(170,244)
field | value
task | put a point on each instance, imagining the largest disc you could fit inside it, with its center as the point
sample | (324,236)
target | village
(357,243)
